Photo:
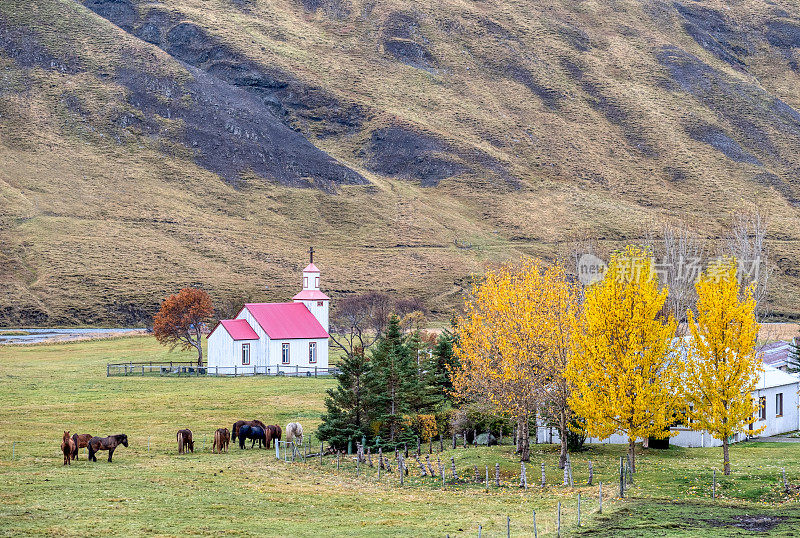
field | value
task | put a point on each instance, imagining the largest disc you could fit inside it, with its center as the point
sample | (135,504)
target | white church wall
(298,353)
(259,352)
(225,354)
(320,311)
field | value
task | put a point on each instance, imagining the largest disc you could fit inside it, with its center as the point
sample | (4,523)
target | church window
(245,354)
(319,303)
(312,352)
(316,282)
(285,353)
(305,282)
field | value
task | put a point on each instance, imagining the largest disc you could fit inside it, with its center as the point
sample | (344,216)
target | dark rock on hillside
(22,46)
(123,13)
(232,132)
(334,9)
(607,105)
(783,34)
(744,105)
(407,154)
(719,140)
(713,32)
(410,53)
(404,41)
(303,107)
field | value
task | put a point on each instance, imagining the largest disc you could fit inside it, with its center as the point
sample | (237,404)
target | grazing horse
(239,423)
(222,437)
(294,431)
(109,443)
(67,447)
(185,441)
(81,440)
(276,431)
(256,433)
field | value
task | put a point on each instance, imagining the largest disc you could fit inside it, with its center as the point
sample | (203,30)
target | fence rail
(189,368)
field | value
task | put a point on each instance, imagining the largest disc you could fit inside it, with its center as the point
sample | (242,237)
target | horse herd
(253,430)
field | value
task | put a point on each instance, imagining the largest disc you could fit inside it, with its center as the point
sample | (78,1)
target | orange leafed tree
(513,342)
(181,319)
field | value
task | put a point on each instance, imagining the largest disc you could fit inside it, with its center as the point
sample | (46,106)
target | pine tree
(392,382)
(793,360)
(347,418)
(443,362)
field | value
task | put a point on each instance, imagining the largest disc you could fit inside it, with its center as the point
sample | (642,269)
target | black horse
(109,443)
(256,433)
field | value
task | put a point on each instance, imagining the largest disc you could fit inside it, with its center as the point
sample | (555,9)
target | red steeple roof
(311,268)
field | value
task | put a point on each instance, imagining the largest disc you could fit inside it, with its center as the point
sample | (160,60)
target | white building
(272,338)
(777,393)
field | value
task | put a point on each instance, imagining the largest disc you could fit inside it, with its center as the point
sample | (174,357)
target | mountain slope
(149,145)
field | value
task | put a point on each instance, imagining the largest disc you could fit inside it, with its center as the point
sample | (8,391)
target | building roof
(776,353)
(772,377)
(311,295)
(239,329)
(286,320)
(311,268)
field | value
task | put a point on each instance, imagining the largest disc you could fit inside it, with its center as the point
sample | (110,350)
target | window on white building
(305,282)
(245,354)
(285,353)
(762,408)
(319,303)
(316,282)
(312,352)
(779,404)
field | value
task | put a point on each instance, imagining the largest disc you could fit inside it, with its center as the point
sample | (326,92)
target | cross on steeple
(310,254)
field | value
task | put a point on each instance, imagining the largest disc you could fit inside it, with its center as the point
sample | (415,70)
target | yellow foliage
(428,428)
(722,364)
(625,377)
(511,342)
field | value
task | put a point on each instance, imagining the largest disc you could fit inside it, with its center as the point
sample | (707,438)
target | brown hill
(149,145)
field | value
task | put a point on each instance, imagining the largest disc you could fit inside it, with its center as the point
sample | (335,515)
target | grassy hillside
(45,389)
(145,146)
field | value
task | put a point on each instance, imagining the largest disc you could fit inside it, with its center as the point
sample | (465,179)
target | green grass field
(45,389)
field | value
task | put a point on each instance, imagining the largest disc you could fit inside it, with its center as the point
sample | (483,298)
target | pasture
(45,389)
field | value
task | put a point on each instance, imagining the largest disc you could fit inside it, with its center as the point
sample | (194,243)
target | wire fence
(190,368)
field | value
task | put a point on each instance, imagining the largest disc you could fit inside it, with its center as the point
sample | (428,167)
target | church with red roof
(274,338)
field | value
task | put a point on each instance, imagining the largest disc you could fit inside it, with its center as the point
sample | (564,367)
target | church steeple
(311,296)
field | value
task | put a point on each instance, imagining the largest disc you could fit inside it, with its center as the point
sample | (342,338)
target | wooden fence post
(421,467)
(508,526)
(477,476)
(621,479)
(441,444)
(497,474)
(400,467)
(566,474)
(591,474)
(569,466)
(338,455)
(380,458)
(430,466)
(454,441)
(579,509)
(535,531)
(558,520)
(543,477)
(785,485)
(453,468)
(464,435)
(600,496)
(487,479)
(714,485)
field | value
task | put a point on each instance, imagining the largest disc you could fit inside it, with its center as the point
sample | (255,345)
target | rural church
(275,338)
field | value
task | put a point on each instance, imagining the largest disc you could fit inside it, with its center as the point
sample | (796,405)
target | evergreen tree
(392,381)
(443,362)
(347,418)
(793,360)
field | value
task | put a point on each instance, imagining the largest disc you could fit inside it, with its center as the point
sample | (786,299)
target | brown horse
(275,432)
(109,443)
(185,441)
(67,447)
(222,437)
(239,423)
(81,440)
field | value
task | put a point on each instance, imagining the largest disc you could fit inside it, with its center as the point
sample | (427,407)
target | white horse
(294,431)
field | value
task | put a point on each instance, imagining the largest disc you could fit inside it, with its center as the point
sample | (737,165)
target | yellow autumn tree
(508,339)
(625,377)
(722,366)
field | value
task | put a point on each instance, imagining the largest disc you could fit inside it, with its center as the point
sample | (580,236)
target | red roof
(239,329)
(311,268)
(311,295)
(286,320)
